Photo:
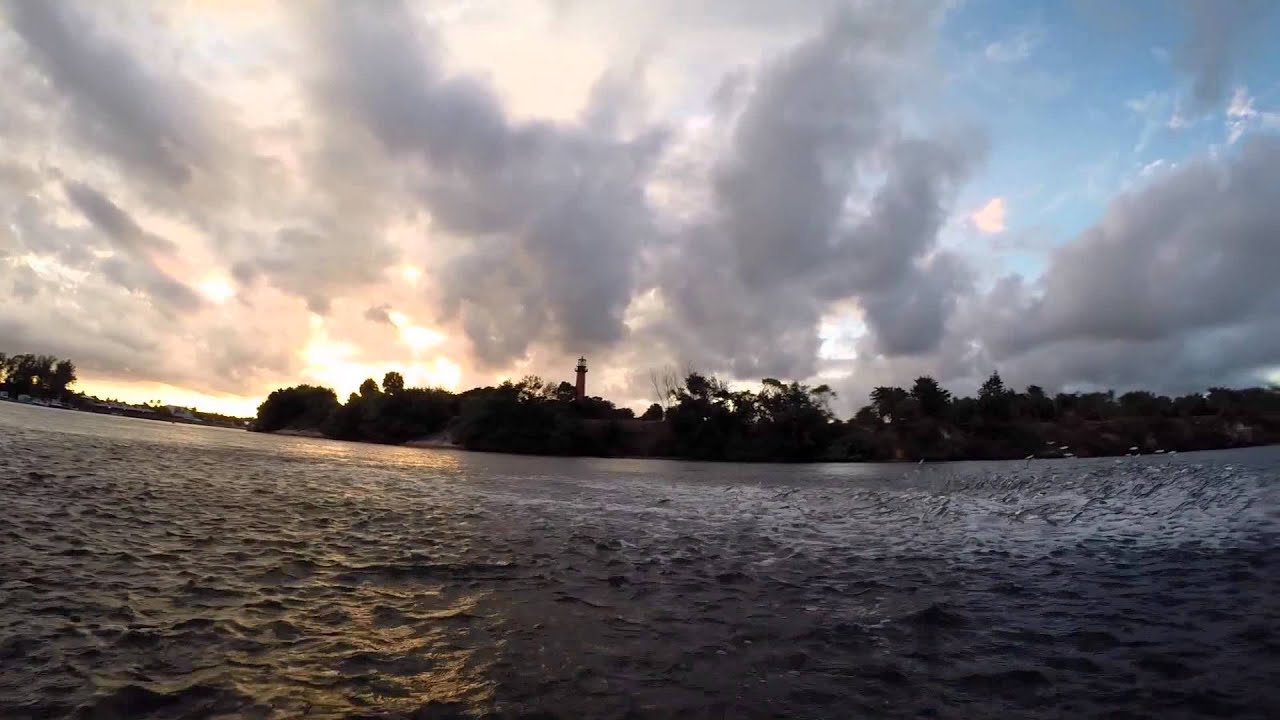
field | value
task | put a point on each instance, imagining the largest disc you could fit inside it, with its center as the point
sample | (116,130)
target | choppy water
(151,570)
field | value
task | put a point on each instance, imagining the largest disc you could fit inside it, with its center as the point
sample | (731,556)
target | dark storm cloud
(133,265)
(565,202)
(1220,33)
(380,314)
(165,292)
(26,285)
(1198,247)
(316,266)
(111,220)
(888,260)
(118,106)
(1174,289)
(822,129)
(909,318)
(30,323)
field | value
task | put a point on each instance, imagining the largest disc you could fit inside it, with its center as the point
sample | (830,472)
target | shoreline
(443,442)
(133,414)
(289,432)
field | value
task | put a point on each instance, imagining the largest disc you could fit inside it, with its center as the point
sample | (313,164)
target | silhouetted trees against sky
(40,376)
(529,415)
(1000,422)
(706,418)
(301,407)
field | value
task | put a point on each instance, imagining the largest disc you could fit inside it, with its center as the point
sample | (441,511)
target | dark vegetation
(39,376)
(926,422)
(47,380)
(704,418)
(529,416)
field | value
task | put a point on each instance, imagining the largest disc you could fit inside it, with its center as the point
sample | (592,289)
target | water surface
(155,570)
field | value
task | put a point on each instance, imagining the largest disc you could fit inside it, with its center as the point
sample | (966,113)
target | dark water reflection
(150,570)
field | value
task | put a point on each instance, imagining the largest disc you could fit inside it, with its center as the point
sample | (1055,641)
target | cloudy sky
(202,200)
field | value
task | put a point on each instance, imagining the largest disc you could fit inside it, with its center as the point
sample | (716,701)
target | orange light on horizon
(332,362)
(142,392)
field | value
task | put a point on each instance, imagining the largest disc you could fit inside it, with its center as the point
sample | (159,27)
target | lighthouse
(580,389)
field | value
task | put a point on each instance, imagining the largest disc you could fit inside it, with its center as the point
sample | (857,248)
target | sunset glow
(866,191)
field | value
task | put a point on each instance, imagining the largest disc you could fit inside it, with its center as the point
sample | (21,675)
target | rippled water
(152,570)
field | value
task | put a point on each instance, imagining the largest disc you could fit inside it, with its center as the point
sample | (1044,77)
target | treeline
(793,422)
(38,376)
(780,422)
(705,418)
(528,416)
(926,422)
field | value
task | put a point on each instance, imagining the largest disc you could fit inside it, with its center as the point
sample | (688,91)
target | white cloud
(1015,48)
(1155,166)
(1242,116)
(990,217)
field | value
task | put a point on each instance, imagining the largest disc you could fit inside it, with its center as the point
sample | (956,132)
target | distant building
(24,398)
(180,412)
(4,394)
(580,390)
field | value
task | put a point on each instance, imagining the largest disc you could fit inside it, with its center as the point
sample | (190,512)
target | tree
(994,399)
(653,413)
(594,408)
(867,417)
(304,407)
(992,388)
(707,421)
(1096,405)
(369,388)
(1036,404)
(666,385)
(790,422)
(532,387)
(64,375)
(28,374)
(933,399)
(343,422)
(519,417)
(886,401)
(409,414)
(1140,403)
(392,382)
(565,392)
(1192,405)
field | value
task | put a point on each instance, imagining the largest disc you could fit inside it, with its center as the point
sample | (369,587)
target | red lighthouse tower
(580,389)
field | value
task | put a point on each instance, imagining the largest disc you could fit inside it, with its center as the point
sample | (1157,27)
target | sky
(202,201)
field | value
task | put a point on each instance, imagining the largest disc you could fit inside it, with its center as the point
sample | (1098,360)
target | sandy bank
(441,440)
(298,433)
